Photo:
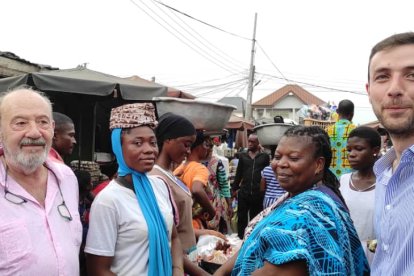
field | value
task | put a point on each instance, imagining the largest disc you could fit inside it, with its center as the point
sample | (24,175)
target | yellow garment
(334,117)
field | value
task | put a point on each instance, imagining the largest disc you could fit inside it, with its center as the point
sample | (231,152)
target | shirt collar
(386,160)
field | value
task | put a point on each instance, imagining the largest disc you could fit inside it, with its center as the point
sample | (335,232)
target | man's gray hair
(24,88)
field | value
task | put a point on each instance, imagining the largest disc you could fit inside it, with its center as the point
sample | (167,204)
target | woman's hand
(212,233)
(217,234)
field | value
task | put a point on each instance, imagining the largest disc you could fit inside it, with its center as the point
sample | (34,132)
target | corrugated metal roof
(305,96)
(11,55)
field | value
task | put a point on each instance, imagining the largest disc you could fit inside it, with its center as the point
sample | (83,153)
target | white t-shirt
(117,227)
(361,206)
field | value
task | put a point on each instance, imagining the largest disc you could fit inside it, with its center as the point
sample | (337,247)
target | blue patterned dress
(310,226)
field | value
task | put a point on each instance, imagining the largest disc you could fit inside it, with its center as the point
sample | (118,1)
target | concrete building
(285,102)
(12,65)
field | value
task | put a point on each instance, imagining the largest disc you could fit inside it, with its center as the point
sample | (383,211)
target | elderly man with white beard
(40,229)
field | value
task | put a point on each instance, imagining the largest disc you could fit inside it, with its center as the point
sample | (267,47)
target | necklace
(351,183)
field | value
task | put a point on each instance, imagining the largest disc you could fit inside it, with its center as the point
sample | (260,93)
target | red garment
(55,156)
(100,187)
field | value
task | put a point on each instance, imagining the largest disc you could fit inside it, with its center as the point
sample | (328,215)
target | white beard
(28,162)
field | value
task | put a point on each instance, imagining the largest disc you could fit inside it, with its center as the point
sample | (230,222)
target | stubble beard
(396,127)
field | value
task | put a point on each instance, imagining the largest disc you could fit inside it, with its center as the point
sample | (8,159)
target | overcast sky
(321,45)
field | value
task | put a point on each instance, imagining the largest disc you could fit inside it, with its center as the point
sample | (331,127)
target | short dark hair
(61,119)
(200,137)
(391,42)
(371,135)
(345,108)
(382,131)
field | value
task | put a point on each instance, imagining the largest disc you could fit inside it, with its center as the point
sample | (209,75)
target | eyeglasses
(18,199)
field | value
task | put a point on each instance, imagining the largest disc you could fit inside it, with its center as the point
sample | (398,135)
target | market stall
(87,97)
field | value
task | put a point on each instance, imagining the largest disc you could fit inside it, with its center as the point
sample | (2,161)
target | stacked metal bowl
(270,134)
(204,115)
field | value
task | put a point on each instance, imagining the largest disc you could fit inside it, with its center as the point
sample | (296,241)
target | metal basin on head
(270,134)
(207,116)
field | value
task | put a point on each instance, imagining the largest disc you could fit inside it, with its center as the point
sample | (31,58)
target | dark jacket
(248,174)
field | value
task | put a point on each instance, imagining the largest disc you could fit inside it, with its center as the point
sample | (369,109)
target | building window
(259,112)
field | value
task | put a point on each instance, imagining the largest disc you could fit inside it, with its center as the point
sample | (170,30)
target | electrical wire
(288,81)
(315,85)
(221,87)
(238,89)
(212,59)
(205,23)
(207,49)
(210,80)
(210,46)
(224,67)
(216,87)
(274,65)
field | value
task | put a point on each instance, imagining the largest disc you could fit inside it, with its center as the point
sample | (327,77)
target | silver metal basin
(270,134)
(204,115)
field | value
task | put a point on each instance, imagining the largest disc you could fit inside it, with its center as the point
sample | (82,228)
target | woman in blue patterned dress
(308,231)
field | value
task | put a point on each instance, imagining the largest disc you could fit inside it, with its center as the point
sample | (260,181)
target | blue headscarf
(160,262)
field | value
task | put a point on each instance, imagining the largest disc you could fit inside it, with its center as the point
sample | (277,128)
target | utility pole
(248,114)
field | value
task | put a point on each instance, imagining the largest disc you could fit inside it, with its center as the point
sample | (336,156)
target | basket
(91,167)
(313,122)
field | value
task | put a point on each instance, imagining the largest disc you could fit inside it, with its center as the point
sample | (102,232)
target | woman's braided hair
(322,149)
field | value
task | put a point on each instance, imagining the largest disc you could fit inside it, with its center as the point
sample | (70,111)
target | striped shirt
(394,215)
(273,189)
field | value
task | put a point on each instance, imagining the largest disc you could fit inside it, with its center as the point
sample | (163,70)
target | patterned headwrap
(131,116)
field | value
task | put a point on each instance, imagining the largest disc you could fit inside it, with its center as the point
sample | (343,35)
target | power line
(218,86)
(205,23)
(221,87)
(198,36)
(301,82)
(239,89)
(314,85)
(210,80)
(224,67)
(213,59)
(207,47)
(313,79)
(274,65)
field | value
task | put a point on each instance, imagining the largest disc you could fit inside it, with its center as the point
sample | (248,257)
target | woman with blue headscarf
(131,230)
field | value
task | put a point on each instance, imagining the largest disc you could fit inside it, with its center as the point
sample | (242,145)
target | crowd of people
(330,201)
